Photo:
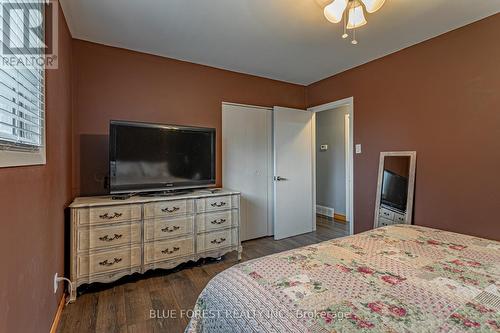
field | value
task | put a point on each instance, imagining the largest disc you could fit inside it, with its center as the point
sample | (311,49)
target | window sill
(16,158)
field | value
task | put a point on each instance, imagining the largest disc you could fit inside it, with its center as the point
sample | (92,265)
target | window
(22,100)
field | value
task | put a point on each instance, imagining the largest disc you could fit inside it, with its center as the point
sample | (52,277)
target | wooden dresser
(114,238)
(389,216)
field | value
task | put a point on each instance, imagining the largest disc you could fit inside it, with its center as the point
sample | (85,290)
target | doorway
(260,147)
(333,165)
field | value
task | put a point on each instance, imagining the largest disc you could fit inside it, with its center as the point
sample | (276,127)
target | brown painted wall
(442,99)
(32,202)
(112,83)
(439,98)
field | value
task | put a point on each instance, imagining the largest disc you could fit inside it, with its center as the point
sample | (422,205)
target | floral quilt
(394,279)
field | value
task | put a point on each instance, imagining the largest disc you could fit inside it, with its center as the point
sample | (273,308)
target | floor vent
(325,211)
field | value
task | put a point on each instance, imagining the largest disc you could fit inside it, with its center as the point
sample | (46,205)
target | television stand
(110,239)
(164,193)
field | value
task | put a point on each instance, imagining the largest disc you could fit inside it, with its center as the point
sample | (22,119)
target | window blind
(21,88)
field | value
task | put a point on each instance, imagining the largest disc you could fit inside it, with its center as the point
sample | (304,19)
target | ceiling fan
(352,13)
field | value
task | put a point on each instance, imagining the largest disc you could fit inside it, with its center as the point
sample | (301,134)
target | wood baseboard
(57,318)
(340,218)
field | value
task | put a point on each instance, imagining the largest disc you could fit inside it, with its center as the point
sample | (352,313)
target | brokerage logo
(29,34)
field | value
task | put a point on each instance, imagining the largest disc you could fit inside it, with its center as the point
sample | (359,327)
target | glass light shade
(373,5)
(334,11)
(356,17)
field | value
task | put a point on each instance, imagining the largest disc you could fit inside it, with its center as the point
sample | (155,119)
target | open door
(293,174)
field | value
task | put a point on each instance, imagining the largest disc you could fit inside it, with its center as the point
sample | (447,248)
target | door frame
(270,158)
(349,102)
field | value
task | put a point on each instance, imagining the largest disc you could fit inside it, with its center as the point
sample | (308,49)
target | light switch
(358,148)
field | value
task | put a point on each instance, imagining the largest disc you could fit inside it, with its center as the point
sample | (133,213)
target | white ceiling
(288,40)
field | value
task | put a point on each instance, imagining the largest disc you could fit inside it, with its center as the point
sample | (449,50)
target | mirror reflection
(393,202)
(394,192)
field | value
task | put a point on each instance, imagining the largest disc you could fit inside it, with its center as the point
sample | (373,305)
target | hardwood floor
(125,306)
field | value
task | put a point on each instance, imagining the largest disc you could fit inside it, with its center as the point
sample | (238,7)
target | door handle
(279,178)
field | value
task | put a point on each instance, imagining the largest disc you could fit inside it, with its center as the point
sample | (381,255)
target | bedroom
(423,78)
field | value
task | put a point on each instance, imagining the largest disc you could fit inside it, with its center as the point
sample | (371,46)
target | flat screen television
(153,157)
(394,190)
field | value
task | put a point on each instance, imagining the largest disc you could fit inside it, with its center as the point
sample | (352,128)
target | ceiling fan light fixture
(356,17)
(373,5)
(334,11)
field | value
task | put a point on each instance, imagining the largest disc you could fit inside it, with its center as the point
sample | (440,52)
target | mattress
(394,279)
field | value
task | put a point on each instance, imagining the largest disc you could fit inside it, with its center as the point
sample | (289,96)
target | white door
(293,174)
(246,165)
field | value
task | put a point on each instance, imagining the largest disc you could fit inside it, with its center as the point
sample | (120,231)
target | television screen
(394,190)
(153,157)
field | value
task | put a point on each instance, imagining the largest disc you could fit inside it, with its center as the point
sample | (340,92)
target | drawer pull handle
(168,210)
(221,221)
(215,241)
(109,217)
(218,204)
(168,251)
(108,239)
(107,263)
(167,229)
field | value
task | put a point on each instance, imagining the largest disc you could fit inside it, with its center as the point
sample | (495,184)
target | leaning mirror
(395,188)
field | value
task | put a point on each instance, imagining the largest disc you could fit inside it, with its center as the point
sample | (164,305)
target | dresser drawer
(168,208)
(219,220)
(163,228)
(387,214)
(217,203)
(164,250)
(103,237)
(217,239)
(109,214)
(108,261)
(383,222)
(399,218)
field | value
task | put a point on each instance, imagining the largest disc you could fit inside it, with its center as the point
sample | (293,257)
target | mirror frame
(411,183)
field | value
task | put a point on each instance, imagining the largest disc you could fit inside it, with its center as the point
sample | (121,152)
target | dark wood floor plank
(111,310)
(166,309)
(84,319)
(125,306)
(137,301)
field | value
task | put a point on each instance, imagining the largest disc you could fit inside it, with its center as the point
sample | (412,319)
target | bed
(394,279)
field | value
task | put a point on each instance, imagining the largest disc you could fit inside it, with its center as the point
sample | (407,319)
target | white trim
(313,149)
(347,131)
(349,102)
(248,106)
(332,105)
(19,158)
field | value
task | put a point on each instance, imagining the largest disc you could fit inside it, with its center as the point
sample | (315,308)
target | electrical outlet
(56,278)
